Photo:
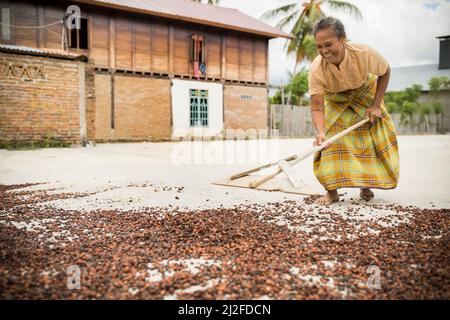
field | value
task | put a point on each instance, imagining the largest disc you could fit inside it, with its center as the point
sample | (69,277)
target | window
(6,21)
(79,37)
(199,108)
(198,53)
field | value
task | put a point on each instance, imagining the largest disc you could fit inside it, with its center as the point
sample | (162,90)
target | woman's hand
(373,112)
(320,138)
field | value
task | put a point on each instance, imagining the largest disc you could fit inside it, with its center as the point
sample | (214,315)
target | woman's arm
(382,83)
(318,117)
(374,111)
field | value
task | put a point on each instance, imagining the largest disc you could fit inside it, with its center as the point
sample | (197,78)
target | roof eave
(186,19)
(43,53)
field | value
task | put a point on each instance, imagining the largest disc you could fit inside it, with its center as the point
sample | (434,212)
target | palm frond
(301,26)
(310,48)
(346,6)
(276,12)
(290,75)
(302,16)
(305,49)
(315,13)
(285,21)
(292,45)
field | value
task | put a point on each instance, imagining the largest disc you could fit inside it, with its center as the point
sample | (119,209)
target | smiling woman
(347,82)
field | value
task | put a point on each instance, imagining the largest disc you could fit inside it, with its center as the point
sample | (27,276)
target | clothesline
(62,36)
(32,27)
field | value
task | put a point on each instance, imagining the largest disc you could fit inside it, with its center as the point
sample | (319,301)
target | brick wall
(39,98)
(102,107)
(90,100)
(245,107)
(142,109)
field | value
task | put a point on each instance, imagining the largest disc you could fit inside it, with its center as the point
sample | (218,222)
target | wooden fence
(291,121)
(295,121)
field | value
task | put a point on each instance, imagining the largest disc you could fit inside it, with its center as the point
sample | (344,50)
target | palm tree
(209,1)
(303,15)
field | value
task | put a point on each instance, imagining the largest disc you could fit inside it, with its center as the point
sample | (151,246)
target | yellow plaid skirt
(366,157)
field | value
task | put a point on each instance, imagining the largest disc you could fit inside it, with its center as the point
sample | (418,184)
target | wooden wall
(123,41)
(25,16)
(99,49)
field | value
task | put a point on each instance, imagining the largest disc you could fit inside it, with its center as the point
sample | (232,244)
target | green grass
(48,142)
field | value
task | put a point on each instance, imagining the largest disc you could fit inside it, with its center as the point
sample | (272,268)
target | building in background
(134,70)
(404,77)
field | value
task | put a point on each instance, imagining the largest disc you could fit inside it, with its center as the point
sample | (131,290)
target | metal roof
(41,52)
(404,77)
(190,11)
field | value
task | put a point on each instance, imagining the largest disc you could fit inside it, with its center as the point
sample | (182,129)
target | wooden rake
(285,165)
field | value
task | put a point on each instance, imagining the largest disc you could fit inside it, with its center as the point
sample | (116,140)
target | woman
(347,82)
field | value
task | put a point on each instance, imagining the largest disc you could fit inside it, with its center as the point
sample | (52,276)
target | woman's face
(329,46)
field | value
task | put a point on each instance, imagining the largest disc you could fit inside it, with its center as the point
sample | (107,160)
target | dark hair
(330,23)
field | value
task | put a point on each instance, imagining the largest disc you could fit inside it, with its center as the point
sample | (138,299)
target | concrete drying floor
(116,173)
(143,220)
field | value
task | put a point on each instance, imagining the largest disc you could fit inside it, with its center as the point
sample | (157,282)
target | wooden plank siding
(231,57)
(260,60)
(100,39)
(123,40)
(213,42)
(141,43)
(160,47)
(25,15)
(181,50)
(53,33)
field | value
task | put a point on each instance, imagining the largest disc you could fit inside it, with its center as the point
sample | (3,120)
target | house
(404,77)
(130,70)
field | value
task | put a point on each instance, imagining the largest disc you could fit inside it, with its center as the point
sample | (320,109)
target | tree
(424,113)
(392,107)
(407,111)
(303,16)
(407,103)
(413,93)
(297,87)
(438,84)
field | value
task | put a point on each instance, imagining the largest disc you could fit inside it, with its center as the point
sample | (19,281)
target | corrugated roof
(42,52)
(187,10)
(404,77)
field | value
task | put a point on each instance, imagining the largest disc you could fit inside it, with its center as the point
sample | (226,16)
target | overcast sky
(404,31)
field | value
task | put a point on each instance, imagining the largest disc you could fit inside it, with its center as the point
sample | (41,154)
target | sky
(403,31)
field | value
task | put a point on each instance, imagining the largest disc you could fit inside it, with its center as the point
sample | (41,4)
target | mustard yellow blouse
(359,60)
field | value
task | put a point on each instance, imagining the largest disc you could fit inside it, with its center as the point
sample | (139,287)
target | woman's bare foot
(329,198)
(366,194)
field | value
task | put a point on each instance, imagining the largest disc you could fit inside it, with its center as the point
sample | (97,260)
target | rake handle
(246,173)
(326,143)
(259,182)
